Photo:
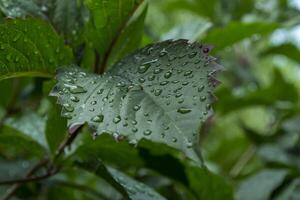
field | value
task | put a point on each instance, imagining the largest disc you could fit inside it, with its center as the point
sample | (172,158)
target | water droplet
(68,107)
(121,84)
(94,102)
(184,110)
(201,88)
(67,115)
(181,100)
(168,74)
(134,129)
(202,98)
(136,107)
(174,139)
(193,54)
(143,68)
(16,38)
(208,106)
(134,122)
(151,77)
(187,73)
(164,83)
(185,83)
(98,118)
(178,95)
(141,80)
(147,132)
(157,71)
(74,89)
(163,53)
(157,92)
(117,119)
(100,91)
(74,99)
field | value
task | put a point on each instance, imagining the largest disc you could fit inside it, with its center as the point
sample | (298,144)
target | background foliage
(250,147)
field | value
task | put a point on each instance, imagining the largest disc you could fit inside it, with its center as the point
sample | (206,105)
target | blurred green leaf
(31,125)
(207,185)
(291,192)
(55,128)
(14,143)
(107,149)
(261,185)
(30,47)
(199,7)
(288,50)
(130,188)
(21,8)
(278,91)
(108,20)
(237,31)
(129,39)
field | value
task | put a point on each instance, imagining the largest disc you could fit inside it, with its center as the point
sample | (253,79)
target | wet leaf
(30,47)
(162,93)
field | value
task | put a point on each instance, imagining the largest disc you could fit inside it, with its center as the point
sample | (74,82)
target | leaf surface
(236,32)
(161,93)
(30,47)
(127,186)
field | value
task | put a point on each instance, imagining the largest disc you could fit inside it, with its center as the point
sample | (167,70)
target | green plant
(104,100)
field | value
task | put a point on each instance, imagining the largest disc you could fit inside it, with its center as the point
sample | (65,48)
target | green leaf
(261,185)
(29,124)
(207,185)
(108,20)
(161,93)
(55,128)
(24,135)
(291,192)
(30,48)
(130,188)
(20,8)
(111,152)
(288,50)
(128,40)
(69,15)
(279,90)
(199,7)
(236,32)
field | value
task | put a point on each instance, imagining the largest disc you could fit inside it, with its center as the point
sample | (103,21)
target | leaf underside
(162,92)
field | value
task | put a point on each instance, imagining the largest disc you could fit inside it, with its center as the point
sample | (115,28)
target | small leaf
(29,124)
(161,93)
(55,128)
(237,31)
(288,50)
(30,47)
(130,188)
(107,20)
(261,185)
(207,185)
(129,39)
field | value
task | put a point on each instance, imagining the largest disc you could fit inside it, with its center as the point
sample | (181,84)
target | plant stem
(242,161)
(52,170)
(81,187)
